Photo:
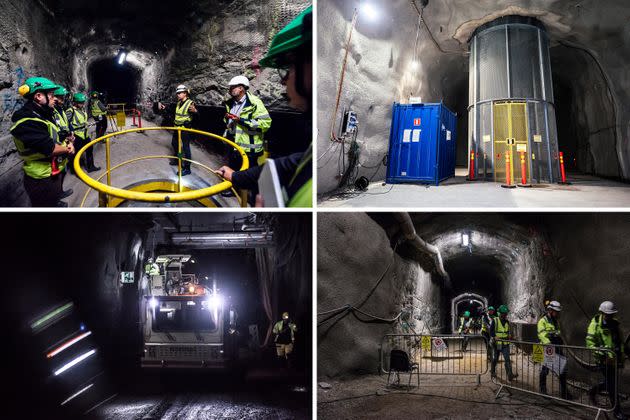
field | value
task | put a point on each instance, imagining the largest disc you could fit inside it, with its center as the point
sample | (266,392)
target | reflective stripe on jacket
(599,335)
(182,113)
(95,108)
(37,165)
(254,122)
(548,331)
(61,119)
(501,330)
(78,122)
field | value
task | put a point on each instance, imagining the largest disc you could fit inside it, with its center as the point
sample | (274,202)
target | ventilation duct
(223,240)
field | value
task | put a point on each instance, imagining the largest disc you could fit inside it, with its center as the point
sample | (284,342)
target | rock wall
(229,44)
(353,253)
(592,252)
(31,44)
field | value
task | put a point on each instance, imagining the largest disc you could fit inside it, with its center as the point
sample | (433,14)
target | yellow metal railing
(182,194)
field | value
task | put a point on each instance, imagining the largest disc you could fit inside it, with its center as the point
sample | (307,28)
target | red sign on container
(416,121)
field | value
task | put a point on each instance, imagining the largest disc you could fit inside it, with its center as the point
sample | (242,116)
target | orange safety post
(562,173)
(508,175)
(523,172)
(471,172)
(139,118)
(133,116)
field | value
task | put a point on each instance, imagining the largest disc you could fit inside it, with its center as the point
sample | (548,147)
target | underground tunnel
(136,53)
(118,83)
(163,315)
(414,275)
(366,65)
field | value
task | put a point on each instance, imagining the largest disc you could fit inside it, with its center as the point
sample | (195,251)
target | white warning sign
(439,344)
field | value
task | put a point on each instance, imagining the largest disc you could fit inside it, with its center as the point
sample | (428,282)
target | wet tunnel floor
(168,395)
(133,145)
(585,191)
(438,397)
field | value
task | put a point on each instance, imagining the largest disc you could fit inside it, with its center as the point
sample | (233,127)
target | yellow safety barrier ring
(141,191)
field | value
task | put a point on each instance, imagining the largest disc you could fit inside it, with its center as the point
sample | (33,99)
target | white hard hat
(608,307)
(239,80)
(182,88)
(554,305)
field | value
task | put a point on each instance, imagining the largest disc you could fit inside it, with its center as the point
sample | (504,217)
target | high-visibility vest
(37,165)
(598,335)
(255,120)
(61,119)
(95,109)
(547,330)
(303,197)
(78,122)
(182,115)
(277,329)
(501,330)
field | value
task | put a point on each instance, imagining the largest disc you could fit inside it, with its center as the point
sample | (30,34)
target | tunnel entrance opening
(471,302)
(476,278)
(117,82)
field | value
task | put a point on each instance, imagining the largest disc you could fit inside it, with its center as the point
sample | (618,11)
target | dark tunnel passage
(473,274)
(118,83)
(585,112)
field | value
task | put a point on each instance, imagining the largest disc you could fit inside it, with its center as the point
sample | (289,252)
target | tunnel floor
(437,397)
(584,191)
(133,145)
(178,395)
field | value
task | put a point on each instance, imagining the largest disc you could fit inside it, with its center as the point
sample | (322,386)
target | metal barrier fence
(572,374)
(439,354)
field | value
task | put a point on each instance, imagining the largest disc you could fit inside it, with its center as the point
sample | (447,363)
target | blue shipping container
(421,144)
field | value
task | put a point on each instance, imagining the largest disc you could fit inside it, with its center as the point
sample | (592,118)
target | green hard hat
(503,309)
(292,36)
(491,308)
(61,91)
(32,85)
(78,97)
(466,314)
(94,94)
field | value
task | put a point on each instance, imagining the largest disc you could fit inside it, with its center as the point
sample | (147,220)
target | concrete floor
(439,397)
(193,395)
(134,145)
(585,191)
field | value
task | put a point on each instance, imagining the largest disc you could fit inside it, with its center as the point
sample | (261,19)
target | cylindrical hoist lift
(511,108)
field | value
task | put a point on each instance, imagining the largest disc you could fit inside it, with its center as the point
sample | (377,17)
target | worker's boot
(90,164)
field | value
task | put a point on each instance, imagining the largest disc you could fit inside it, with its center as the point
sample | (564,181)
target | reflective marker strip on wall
(50,316)
(76,394)
(74,362)
(67,344)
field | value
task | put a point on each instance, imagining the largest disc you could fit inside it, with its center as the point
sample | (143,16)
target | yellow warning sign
(426,343)
(121,119)
(521,147)
(537,138)
(538,355)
